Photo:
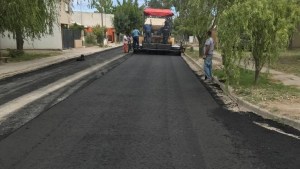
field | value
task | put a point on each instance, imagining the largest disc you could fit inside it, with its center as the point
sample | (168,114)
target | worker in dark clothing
(148,29)
(166,32)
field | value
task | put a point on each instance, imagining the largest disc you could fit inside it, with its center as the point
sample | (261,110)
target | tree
(104,6)
(264,24)
(154,3)
(165,4)
(75,26)
(27,18)
(197,18)
(178,4)
(181,25)
(100,33)
(127,16)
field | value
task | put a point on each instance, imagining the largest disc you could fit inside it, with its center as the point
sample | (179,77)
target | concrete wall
(92,19)
(65,17)
(48,42)
(53,41)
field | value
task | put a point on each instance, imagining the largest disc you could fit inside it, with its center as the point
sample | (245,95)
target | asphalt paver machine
(160,39)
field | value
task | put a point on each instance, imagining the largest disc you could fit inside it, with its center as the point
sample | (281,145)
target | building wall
(65,17)
(92,19)
(53,41)
(47,42)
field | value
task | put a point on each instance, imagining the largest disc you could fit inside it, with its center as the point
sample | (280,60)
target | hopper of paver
(160,39)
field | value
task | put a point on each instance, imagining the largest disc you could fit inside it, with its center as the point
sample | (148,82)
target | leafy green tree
(197,17)
(100,33)
(179,30)
(181,25)
(75,26)
(27,18)
(154,3)
(104,6)
(178,4)
(127,16)
(164,4)
(264,25)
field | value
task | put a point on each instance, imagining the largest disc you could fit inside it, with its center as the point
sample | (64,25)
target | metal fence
(68,37)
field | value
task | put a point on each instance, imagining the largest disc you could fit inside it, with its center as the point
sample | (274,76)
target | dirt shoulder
(281,104)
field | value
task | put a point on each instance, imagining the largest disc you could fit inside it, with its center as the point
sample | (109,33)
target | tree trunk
(19,40)
(200,46)
(257,70)
(201,41)
(102,19)
(256,76)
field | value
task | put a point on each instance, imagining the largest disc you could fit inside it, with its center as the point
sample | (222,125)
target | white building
(90,19)
(54,41)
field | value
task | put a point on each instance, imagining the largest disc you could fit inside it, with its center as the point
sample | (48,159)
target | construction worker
(148,29)
(135,35)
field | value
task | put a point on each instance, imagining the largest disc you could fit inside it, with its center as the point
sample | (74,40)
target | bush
(75,26)
(90,38)
(100,34)
(191,49)
(15,53)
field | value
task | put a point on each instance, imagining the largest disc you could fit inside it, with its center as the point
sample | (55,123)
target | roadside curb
(51,63)
(12,107)
(253,108)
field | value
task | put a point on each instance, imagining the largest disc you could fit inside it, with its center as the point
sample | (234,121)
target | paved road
(15,86)
(150,112)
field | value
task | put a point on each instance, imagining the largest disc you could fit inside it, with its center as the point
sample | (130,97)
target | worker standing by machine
(166,32)
(135,36)
(157,28)
(148,29)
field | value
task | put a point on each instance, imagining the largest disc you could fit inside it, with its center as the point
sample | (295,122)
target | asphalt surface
(15,86)
(150,112)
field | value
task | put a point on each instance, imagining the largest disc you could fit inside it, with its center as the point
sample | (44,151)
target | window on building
(66,6)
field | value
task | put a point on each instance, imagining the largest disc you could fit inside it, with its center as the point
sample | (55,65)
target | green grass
(265,90)
(193,54)
(31,55)
(289,62)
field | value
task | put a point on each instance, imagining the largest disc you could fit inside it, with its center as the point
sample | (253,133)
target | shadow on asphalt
(215,90)
(269,145)
(166,53)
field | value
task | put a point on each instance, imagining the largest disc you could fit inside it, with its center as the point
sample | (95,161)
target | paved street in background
(150,112)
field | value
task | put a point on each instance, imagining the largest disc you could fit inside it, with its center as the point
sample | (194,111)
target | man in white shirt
(208,54)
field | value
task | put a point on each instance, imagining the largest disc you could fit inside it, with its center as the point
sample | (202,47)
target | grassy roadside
(30,55)
(265,90)
(288,62)
(192,53)
(272,95)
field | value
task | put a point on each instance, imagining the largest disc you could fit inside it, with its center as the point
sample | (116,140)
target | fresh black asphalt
(150,112)
(15,86)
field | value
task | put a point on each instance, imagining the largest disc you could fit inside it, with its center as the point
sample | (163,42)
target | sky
(84,5)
